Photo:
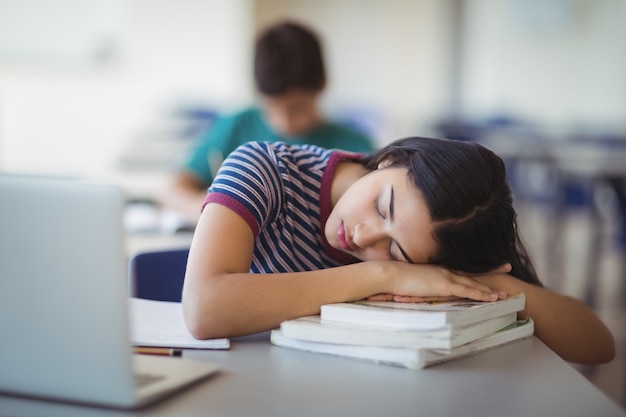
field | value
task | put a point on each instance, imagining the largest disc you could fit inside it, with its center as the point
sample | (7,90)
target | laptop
(64,314)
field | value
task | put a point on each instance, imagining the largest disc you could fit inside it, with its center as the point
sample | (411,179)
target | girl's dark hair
(288,55)
(470,202)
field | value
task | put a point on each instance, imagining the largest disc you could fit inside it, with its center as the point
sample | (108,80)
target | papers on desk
(160,324)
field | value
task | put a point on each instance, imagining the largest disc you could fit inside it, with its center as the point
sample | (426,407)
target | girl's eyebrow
(391,204)
(391,211)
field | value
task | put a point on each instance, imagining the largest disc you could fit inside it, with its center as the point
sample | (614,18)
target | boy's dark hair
(288,56)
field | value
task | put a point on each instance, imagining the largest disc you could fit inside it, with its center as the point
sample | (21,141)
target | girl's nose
(368,235)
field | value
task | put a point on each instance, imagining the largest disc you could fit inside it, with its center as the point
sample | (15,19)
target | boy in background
(290,77)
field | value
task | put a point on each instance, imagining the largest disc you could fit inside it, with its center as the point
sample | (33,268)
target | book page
(161,324)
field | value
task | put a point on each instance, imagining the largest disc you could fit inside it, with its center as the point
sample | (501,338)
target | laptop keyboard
(143,380)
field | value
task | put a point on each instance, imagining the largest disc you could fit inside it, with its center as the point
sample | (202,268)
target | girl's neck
(346,174)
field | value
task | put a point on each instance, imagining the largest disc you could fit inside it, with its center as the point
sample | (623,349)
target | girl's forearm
(221,299)
(565,324)
(241,303)
(231,304)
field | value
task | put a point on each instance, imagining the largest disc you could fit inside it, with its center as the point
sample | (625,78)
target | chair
(158,275)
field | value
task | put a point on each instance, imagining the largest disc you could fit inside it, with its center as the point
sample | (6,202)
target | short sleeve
(249,183)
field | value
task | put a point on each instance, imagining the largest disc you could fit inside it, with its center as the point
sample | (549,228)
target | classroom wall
(72,109)
(94,88)
(557,62)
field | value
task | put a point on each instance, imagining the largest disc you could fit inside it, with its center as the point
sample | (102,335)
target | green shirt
(227,133)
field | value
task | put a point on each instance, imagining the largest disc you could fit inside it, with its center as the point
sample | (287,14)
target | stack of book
(413,335)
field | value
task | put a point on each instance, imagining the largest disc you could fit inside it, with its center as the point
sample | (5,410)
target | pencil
(157,351)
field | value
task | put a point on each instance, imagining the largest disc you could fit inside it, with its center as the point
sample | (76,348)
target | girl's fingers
(502,269)
(380,297)
(433,283)
(411,299)
(479,294)
(476,290)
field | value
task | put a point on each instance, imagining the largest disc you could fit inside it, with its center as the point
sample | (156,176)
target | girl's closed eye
(377,209)
(379,213)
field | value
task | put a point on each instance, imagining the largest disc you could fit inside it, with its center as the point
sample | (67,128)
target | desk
(524,379)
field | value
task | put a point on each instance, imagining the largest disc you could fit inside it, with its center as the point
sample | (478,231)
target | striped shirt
(283,192)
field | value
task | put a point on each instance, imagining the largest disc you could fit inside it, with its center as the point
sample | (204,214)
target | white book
(408,357)
(420,316)
(314,329)
(161,324)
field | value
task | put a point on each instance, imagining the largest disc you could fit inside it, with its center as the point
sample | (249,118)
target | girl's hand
(409,299)
(417,283)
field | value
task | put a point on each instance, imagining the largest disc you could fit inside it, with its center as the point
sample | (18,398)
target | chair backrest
(158,275)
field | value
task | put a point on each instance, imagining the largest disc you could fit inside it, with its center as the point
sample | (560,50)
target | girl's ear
(384,163)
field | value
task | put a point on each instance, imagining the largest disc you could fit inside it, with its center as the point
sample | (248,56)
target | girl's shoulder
(291,162)
(283,151)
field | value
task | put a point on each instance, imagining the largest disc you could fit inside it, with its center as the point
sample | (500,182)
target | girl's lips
(341,235)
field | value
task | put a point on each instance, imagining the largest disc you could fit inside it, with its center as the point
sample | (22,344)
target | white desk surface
(523,379)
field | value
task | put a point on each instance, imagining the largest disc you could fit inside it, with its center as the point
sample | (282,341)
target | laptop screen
(63,290)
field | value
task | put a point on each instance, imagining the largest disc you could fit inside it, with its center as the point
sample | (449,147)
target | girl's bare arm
(565,324)
(222,299)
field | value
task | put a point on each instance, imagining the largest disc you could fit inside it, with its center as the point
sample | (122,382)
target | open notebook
(161,324)
(64,310)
